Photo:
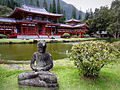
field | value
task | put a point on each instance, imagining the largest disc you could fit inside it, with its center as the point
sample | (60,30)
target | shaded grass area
(68,78)
(111,40)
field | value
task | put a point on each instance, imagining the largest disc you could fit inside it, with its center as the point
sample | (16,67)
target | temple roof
(75,26)
(34,10)
(73,20)
(9,20)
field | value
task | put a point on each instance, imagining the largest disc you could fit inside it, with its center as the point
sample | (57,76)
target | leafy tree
(54,7)
(4,11)
(99,20)
(114,26)
(91,57)
(45,5)
(73,15)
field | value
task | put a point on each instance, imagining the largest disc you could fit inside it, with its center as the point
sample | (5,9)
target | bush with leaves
(66,35)
(117,45)
(2,36)
(74,36)
(90,57)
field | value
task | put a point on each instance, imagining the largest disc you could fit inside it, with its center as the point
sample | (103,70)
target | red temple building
(30,22)
(73,27)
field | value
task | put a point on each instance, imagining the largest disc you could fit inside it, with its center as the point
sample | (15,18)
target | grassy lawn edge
(68,78)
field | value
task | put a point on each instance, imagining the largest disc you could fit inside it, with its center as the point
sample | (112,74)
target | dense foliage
(66,35)
(2,36)
(9,3)
(117,45)
(105,19)
(4,11)
(90,57)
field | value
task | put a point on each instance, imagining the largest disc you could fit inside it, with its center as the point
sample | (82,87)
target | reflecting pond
(23,52)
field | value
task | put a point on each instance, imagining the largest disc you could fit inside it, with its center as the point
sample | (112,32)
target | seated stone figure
(40,76)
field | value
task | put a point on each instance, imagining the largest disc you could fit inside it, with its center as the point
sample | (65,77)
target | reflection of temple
(73,28)
(31,22)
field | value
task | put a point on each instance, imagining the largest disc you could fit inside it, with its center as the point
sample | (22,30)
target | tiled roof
(7,20)
(74,20)
(70,26)
(38,10)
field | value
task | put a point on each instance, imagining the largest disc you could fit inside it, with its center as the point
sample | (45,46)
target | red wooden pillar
(80,34)
(55,30)
(27,29)
(85,34)
(76,33)
(51,30)
(12,30)
(37,28)
(43,29)
(61,34)
(21,29)
(4,29)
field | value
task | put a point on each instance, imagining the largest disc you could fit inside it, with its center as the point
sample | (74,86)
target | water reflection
(23,52)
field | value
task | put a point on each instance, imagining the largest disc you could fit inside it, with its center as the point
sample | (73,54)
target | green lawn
(70,39)
(68,78)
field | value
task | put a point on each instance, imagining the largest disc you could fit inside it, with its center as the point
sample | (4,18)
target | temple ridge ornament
(40,76)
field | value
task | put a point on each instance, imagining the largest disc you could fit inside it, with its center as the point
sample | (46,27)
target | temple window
(29,18)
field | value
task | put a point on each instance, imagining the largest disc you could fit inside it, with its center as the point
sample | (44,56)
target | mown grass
(68,78)
(111,40)
(69,39)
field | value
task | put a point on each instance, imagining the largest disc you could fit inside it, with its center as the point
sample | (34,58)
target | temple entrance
(40,28)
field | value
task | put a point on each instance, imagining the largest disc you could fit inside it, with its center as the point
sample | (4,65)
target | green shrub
(66,35)
(116,45)
(90,57)
(2,36)
(74,36)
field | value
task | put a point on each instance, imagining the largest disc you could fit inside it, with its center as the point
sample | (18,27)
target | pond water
(23,52)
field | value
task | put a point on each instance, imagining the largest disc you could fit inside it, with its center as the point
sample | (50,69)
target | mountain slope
(64,5)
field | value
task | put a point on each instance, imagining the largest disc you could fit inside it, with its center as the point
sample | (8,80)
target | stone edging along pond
(50,41)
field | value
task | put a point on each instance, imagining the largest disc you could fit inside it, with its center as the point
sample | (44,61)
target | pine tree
(64,15)
(87,15)
(9,3)
(31,3)
(38,3)
(50,9)
(80,16)
(73,15)
(58,7)
(63,18)
(54,7)
(45,5)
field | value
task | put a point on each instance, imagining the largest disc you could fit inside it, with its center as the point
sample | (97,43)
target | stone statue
(41,63)
(43,59)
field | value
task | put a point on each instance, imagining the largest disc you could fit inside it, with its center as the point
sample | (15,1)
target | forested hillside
(65,8)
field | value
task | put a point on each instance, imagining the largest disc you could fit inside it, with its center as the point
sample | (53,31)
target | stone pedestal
(42,79)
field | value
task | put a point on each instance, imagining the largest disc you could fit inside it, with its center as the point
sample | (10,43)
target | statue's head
(41,46)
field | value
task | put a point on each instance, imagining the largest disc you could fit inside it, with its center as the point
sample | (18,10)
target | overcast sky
(84,5)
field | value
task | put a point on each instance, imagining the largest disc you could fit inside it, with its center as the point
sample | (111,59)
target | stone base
(43,79)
